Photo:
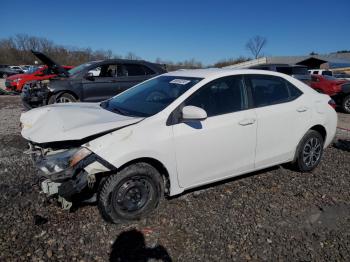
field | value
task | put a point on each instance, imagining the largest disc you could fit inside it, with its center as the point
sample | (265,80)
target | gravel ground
(276,214)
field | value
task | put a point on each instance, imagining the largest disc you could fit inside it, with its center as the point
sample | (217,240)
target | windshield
(150,97)
(32,69)
(78,69)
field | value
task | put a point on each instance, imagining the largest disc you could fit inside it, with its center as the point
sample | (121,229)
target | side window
(147,70)
(270,90)
(96,71)
(294,92)
(109,70)
(327,73)
(134,70)
(315,72)
(221,96)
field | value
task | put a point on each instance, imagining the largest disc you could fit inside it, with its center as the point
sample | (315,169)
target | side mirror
(193,113)
(90,76)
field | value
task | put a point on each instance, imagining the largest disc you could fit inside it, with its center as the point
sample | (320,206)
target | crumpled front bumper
(69,183)
(34,95)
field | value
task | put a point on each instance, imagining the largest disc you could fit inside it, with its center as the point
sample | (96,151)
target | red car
(338,89)
(16,82)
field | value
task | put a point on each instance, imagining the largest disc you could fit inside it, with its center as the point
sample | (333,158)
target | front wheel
(309,151)
(64,98)
(130,194)
(346,104)
(4,76)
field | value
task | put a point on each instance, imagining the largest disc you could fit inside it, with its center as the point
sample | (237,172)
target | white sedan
(174,132)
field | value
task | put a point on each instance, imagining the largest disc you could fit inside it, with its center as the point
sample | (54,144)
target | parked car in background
(84,83)
(175,132)
(6,71)
(18,69)
(297,71)
(323,72)
(338,89)
(342,76)
(25,68)
(16,82)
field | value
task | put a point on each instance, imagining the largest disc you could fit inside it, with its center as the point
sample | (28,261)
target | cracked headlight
(78,156)
(57,162)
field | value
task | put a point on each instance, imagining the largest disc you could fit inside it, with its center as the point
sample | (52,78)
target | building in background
(339,62)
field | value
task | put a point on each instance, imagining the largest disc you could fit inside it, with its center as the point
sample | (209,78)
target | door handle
(302,109)
(247,122)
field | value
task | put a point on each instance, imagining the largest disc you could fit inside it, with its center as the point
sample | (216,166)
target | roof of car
(120,60)
(218,72)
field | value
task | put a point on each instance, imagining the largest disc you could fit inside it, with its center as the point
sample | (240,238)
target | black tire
(130,194)
(4,75)
(309,151)
(345,105)
(64,98)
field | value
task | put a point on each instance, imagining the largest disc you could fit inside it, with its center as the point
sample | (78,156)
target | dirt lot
(276,214)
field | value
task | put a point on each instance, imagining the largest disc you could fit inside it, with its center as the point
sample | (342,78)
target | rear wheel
(4,75)
(64,98)
(346,104)
(309,151)
(130,194)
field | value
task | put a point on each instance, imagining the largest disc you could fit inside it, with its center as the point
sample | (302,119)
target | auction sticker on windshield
(180,81)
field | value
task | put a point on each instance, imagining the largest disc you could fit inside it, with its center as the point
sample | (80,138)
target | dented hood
(71,121)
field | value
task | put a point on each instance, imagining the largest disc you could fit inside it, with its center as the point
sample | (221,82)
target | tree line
(16,50)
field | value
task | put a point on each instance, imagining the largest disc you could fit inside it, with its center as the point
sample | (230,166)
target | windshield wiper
(118,111)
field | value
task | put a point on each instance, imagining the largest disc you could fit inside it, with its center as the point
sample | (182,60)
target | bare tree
(16,50)
(255,45)
(132,56)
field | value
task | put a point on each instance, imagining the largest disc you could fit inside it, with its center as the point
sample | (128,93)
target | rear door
(282,115)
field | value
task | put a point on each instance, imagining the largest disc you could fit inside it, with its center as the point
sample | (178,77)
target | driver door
(102,84)
(222,145)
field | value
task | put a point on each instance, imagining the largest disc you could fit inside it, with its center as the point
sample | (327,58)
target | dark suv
(6,71)
(297,71)
(90,82)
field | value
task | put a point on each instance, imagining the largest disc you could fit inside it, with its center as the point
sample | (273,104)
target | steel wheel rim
(132,195)
(312,151)
(64,100)
(347,104)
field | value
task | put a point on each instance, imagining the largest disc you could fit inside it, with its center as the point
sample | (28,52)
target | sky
(207,31)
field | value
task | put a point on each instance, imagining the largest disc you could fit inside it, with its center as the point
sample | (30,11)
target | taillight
(332,103)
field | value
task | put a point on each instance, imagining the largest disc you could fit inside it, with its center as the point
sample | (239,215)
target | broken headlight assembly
(55,163)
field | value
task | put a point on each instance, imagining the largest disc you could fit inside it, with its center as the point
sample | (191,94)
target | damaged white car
(176,131)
